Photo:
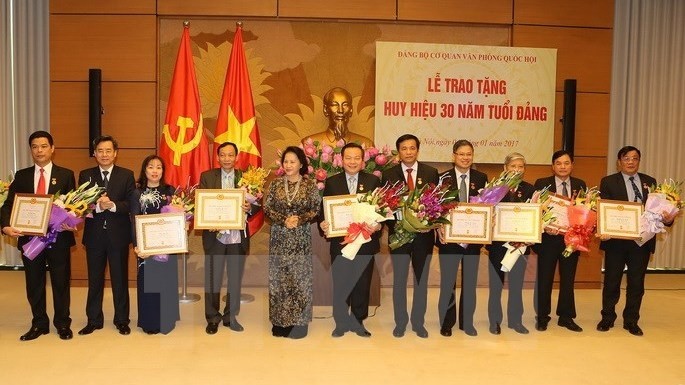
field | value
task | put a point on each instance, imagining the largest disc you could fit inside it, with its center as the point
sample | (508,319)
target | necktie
(351,185)
(410,179)
(638,194)
(564,190)
(462,189)
(41,182)
(104,178)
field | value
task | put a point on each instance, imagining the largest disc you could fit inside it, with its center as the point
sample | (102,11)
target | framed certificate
(31,213)
(219,209)
(471,223)
(518,222)
(161,234)
(559,206)
(337,211)
(619,219)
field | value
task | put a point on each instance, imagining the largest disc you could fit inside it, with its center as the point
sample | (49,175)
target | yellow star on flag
(239,133)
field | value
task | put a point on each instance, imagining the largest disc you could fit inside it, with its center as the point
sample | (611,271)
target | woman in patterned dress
(158,308)
(292,202)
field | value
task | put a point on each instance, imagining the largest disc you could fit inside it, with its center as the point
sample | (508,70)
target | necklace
(289,197)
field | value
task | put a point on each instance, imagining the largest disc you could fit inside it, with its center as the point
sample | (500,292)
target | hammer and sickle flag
(184,146)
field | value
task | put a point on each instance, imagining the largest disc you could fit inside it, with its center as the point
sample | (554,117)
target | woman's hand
(292,221)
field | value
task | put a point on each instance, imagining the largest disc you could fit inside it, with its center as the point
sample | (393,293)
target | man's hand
(104,202)
(11,231)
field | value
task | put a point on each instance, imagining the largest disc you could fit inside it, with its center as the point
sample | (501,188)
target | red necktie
(41,182)
(410,179)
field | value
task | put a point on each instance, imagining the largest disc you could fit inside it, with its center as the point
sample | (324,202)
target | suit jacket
(614,187)
(337,185)
(552,243)
(477,181)
(61,180)
(119,189)
(211,179)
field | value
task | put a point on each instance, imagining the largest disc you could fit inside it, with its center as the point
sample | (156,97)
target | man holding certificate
(351,277)
(44,177)
(626,185)
(224,249)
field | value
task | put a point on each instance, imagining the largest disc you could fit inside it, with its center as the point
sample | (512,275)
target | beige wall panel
(582,53)
(130,111)
(580,13)
(495,11)
(217,8)
(123,46)
(592,123)
(137,7)
(351,9)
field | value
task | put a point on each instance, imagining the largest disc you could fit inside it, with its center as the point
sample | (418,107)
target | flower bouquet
(4,188)
(423,210)
(496,189)
(182,201)
(253,181)
(68,209)
(372,208)
(662,198)
(582,219)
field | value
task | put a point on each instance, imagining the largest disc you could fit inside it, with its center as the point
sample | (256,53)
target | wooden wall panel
(487,12)
(583,53)
(218,8)
(592,123)
(351,9)
(77,159)
(135,7)
(590,169)
(123,46)
(130,111)
(577,13)
(79,266)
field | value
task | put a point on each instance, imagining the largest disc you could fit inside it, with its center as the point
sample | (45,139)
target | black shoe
(541,326)
(33,333)
(398,332)
(151,332)
(633,329)
(605,325)
(297,332)
(65,333)
(470,331)
(212,327)
(519,328)
(570,325)
(338,332)
(362,332)
(420,331)
(495,328)
(124,330)
(234,325)
(89,329)
(446,332)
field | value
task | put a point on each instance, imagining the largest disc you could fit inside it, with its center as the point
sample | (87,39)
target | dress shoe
(570,325)
(541,326)
(298,332)
(212,327)
(362,332)
(633,329)
(605,325)
(338,332)
(495,328)
(88,329)
(470,331)
(33,333)
(519,328)
(446,332)
(398,332)
(420,331)
(65,333)
(124,330)
(234,325)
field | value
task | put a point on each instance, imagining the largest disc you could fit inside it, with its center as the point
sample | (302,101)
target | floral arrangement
(68,209)
(252,180)
(183,200)
(498,187)
(4,188)
(663,198)
(582,220)
(423,210)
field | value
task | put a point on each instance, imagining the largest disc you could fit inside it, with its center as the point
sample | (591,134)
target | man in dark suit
(468,181)
(626,185)
(351,277)
(107,236)
(44,178)
(224,250)
(418,252)
(551,249)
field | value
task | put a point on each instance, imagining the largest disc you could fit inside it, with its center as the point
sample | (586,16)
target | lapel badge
(361,187)
(54,181)
(473,186)
(519,194)
(419,181)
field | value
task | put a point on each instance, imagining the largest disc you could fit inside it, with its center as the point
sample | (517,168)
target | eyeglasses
(463,154)
(630,159)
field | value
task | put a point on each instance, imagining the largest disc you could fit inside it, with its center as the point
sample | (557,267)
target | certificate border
(152,219)
(487,209)
(558,197)
(42,228)
(336,200)
(202,194)
(603,204)
(519,237)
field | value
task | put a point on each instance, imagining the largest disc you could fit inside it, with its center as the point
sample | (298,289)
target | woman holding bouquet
(291,203)
(157,275)
(497,251)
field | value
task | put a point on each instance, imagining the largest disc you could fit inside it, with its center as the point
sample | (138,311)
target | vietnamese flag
(236,120)
(184,146)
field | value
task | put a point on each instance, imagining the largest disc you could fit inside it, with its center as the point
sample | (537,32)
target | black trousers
(351,289)
(220,258)
(449,267)
(98,256)
(58,261)
(547,265)
(621,254)
(419,254)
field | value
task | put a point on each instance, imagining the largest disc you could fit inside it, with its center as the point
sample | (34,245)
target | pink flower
(327,149)
(321,174)
(377,173)
(310,169)
(280,171)
(319,185)
(325,157)
(310,151)
(340,143)
(373,151)
(337,160)
(367,156)
(381,159)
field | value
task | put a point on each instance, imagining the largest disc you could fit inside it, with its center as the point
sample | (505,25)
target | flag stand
(186,297)
(244,298)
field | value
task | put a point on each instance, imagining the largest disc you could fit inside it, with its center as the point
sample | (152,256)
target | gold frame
(628,213)
(42,205)
(219,200)
(337,208)
(453,234)
(173,228)
(526,212)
